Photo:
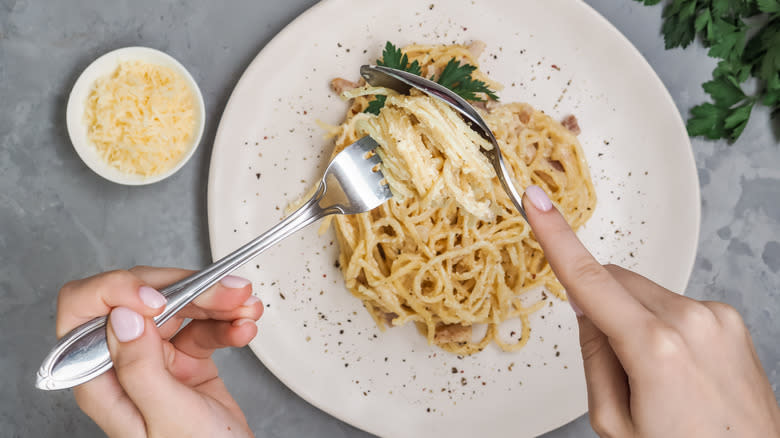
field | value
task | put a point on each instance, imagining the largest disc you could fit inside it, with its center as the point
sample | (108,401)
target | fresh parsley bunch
(745,36)
(455,76)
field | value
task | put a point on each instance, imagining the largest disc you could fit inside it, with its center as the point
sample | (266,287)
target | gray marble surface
(59,221)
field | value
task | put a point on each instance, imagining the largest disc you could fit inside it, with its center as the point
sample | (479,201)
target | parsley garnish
(721,26)
(376,105)
(394,58)
(455,76)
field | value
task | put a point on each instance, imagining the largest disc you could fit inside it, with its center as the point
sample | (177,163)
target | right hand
(657,364)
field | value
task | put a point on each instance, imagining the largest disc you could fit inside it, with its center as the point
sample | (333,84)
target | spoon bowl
(402,81)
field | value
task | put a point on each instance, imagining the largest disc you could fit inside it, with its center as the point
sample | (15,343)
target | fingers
(191,362)
(160,278)
(81,300)
(665,304)
(252,309)
(200,338)
(221,302)
(599,296)
(195,343)
(139,362)
(608,392)
(218,302)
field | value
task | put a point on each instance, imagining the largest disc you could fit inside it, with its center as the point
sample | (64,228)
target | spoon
(402,81)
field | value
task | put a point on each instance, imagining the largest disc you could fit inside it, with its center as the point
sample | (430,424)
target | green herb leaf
(724,26)
(457,77)
(736,121)
(394,58)
(730,41)
(703,23)
(737,73)
(772,98)
(376,105)
(707,120)
(768,6)
(679,26)
(721,7)
(649,2)
(724,92)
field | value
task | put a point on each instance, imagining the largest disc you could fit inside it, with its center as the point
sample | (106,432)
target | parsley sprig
(455,76)
(394,58)
(722,27)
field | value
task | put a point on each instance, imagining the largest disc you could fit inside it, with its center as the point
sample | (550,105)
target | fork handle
(82,354)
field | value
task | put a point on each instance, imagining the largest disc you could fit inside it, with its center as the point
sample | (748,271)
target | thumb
(138,354)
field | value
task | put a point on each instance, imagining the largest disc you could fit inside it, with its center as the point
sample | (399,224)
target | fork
(402,82)
(351,184)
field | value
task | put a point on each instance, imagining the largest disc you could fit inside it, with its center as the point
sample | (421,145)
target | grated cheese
(141,118)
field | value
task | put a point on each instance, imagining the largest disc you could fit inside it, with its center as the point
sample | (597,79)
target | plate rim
(259,58)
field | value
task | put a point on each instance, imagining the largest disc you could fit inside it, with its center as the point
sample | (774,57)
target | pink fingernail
(251,301)
(127,324)
(538,198)
(234,282)
(577,310)
(151,297)
(242,321)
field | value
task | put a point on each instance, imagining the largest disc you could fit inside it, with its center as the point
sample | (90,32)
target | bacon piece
(476,48)
(389,317)
(486,105)
(446,333)
(480,104)
(570,122)
(340,85)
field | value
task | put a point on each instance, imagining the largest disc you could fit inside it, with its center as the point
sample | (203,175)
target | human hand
(161,385)
(657,364)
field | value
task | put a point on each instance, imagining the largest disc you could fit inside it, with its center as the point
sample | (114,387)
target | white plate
(77,128)
(316,337)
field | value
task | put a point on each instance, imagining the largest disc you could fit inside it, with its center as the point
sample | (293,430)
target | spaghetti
(450,251)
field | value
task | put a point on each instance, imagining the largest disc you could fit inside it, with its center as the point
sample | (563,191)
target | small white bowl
(77,128)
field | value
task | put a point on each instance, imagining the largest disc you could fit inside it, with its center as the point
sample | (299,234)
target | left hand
(161,384)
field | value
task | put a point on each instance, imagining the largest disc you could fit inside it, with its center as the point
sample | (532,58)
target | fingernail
(538,198)
(151,297)
(234,282)
(127,324)
(577,310)
(251,301)
(242,321)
